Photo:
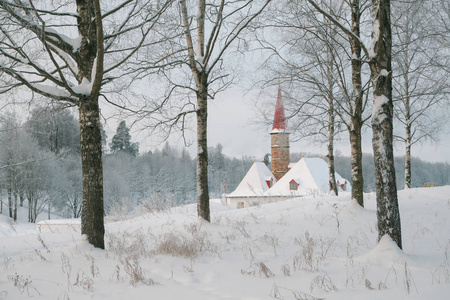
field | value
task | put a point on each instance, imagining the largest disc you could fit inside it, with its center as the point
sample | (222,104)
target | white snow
(51,90)
(254,182)
(297,243)
(70,62)
(75,43)
(276,130)
(384,73)
(378,102)
(311,175)
(84,88)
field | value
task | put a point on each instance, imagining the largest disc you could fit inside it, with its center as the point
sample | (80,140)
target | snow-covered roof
(254,183)
(311,174)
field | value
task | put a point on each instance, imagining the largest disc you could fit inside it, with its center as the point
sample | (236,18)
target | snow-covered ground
(306,248)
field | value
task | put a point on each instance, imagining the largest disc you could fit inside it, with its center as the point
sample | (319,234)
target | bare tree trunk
(356,107)
(331,171)
(91,53)
(408,158)
(201,80)
(15,203)
(381,75)
(35,212)
(10,202)
(30,208)
(380,56)
(92,171)
(330,145)
(408,137)
(202,154)
(356,162)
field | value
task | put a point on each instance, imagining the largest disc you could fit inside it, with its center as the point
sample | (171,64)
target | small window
(293,185)
(240,205)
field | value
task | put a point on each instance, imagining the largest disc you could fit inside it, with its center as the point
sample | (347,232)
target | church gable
(257,181)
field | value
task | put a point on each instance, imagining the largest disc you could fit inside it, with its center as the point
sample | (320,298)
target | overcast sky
(231,121)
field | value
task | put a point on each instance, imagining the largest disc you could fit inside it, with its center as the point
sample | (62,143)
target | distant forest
(422,172)
(40,167)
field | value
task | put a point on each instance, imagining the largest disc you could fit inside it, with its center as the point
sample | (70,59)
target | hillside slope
(305,248)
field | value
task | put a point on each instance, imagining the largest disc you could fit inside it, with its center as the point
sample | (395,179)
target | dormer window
(293,185)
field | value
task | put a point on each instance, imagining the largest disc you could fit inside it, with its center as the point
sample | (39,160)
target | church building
(260,185)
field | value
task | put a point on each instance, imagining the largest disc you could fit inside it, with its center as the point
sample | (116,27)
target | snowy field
(308,248)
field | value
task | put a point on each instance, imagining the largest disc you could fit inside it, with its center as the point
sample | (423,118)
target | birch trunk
(408,157)
(201,81)
(10,202)
(15,203)
(202,155)
(356,107)
(330,145)
(356,161)
(92,172)
(91,59)
(331,172)
(408,137)
(388,214)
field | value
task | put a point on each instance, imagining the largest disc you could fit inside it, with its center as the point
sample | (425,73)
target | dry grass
(84,281)
(24,284)
(281,293)
(306,259)
(135,273)
(177,244)
(258,269)
(323,283)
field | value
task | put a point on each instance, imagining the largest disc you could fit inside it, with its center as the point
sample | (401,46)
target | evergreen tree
(121,141)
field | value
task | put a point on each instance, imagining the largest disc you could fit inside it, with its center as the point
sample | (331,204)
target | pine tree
(121,141)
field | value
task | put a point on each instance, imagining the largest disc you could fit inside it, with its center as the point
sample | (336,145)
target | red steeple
(279,120)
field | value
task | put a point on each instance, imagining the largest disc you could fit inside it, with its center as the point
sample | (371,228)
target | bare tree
(379,58)
(342,48)
(313,105)
(420,88)
(194,67)
(57,50)
(351,110)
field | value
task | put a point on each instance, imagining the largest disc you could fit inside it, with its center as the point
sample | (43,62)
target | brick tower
(279,140)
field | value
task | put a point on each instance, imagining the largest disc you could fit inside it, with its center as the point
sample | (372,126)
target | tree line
(40,169)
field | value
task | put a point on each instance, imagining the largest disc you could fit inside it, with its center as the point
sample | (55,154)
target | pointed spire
(279,120)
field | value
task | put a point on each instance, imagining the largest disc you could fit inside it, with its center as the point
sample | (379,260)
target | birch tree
(420,90)
(57,50)
(353,108)
(379,58)
(312,105)
(306,25)
(195,66)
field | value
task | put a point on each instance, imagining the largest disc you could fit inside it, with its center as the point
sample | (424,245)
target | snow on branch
(22,14)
